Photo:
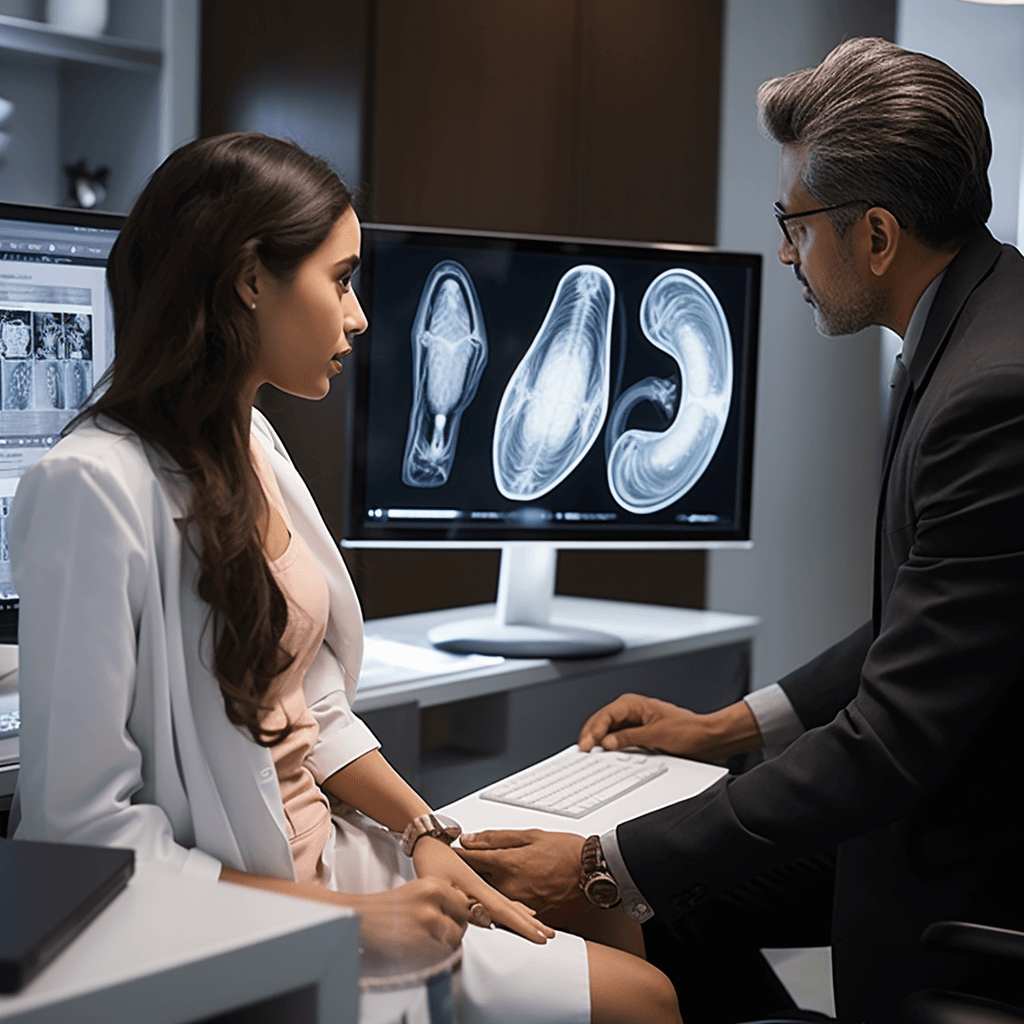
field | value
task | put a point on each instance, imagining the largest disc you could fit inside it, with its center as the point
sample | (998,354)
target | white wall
(816,453)
(985,43)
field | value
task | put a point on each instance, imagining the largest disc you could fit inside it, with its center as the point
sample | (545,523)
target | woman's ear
(246,285)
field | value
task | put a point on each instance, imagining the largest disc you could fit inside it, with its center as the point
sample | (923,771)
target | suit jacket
(910,762)
(124,739)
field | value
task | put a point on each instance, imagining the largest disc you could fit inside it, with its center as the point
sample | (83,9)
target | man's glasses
(781,216)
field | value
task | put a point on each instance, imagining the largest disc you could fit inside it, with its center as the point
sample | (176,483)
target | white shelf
(21,35)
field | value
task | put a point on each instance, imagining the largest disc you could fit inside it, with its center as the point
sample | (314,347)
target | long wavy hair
(186,346)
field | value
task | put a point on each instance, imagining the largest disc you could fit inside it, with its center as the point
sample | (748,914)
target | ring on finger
(479,914)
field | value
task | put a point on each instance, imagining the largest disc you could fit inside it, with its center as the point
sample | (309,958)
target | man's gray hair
(899,129)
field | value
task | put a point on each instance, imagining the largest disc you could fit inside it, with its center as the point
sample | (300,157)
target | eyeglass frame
(781,216)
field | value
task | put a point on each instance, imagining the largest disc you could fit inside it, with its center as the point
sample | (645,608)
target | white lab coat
(124,738)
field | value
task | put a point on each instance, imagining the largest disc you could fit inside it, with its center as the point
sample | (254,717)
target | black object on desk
(49,892)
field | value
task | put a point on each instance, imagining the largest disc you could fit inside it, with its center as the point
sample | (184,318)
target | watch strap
(596,880)
(437,826)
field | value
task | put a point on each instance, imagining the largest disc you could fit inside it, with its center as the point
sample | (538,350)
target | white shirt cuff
(633,901)
(776,718)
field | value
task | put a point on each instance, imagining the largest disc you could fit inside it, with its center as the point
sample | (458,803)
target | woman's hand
(403,929)
(411,927)
(434,859)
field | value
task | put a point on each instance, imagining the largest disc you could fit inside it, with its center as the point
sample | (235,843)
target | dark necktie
(899,382)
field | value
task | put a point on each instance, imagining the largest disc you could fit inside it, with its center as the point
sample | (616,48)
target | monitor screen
(579,393)
(56,340)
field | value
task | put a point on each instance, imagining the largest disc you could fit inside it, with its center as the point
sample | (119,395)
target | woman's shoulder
(101,444)
(98,455)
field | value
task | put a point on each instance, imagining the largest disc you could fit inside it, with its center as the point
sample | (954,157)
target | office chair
(931,1006)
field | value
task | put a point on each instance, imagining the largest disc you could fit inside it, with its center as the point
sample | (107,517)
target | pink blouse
(306,809)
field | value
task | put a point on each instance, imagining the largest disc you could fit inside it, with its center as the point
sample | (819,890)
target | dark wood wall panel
(646,164)
(473,114)
(579,117)
(583,117)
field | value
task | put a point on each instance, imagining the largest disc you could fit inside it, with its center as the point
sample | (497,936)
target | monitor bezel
(74,217)
(356,533)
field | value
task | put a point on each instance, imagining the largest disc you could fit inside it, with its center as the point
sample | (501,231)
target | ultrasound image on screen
(553,390)
(650,469)
(449,353)
(555,403)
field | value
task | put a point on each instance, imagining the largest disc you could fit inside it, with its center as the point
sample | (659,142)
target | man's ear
(246,284)
(884,233)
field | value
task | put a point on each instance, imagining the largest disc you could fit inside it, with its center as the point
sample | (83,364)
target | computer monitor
(56,340)
(535,393)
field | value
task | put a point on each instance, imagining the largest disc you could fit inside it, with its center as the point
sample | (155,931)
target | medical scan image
(449,353)
(648,469)
(555,403)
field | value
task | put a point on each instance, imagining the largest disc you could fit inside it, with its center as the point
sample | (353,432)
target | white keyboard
(576,784)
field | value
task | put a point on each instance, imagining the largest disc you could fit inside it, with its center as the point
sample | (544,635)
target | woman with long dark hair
(190,639)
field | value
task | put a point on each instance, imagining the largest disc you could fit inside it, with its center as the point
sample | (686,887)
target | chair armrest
(931,1007)
(963,937)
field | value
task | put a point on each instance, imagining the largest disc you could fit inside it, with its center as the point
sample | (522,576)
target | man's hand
(632,720)
(538,868)
(434,859)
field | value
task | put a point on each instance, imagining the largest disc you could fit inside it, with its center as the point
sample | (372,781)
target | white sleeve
(776,718)
(633,901)
(81,561)
(342,736)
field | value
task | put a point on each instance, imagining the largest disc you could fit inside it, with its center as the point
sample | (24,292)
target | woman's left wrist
(435,826)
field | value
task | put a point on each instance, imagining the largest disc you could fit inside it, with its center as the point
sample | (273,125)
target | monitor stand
(520,627)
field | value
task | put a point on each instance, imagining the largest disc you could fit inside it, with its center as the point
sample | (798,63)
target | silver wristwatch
(438,826)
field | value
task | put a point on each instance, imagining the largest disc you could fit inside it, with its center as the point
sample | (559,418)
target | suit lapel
(969,268)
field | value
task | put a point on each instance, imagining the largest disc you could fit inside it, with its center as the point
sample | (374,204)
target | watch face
(602,892)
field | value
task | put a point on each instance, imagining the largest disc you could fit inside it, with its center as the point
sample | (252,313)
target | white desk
(456,731)
(171,950)
(460,730)
(650,632)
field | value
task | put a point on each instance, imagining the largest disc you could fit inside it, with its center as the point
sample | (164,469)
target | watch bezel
(605,878)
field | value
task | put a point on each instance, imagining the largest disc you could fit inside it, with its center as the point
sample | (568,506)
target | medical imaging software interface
(56,338)
(534,388)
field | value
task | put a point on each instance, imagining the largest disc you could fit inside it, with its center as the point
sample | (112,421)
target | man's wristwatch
(438,826)
(596,879)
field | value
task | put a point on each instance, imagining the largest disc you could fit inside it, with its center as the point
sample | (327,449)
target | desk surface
(171,949)
(649,632)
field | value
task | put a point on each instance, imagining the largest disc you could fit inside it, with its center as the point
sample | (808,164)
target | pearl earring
(253,306)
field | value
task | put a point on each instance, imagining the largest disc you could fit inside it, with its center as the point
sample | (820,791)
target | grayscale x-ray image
(555,403)
(648,470)
(16,384)
(77,382)
(449,352)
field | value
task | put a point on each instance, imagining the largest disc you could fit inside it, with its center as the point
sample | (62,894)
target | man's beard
(848,307)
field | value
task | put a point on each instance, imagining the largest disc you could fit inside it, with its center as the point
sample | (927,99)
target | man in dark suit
(900,742)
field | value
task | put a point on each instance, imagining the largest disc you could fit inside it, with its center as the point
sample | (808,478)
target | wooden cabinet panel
(473,114)
(646,162)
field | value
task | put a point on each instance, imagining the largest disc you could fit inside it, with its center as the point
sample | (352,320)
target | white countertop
(649,631)
(171,948)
